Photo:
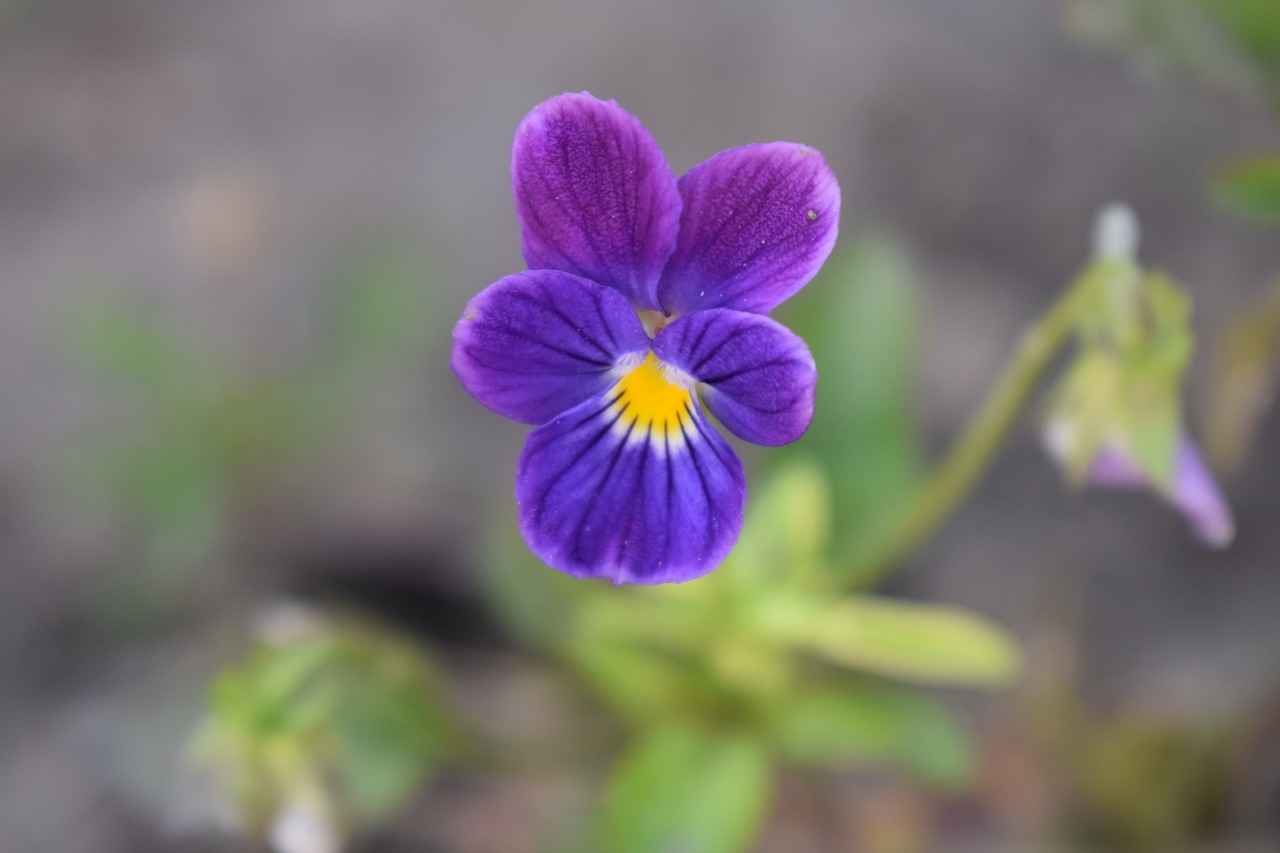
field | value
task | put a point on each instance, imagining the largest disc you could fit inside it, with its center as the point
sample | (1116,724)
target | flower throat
(647,402)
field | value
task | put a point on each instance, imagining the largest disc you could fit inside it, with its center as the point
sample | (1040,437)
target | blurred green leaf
(835,726)
(1253,25)
(343,710)
(1084,405)
(861,320)
(1230,43)
(173,487)
(1110,315)
(538,604)
(1250,188)
(916,642)
(642,684)
(388,740)
(683,790)
(380,300)
(787,526)
(1152,423)
(125,343)
(1169,311)
(1150,784)
(1245,361)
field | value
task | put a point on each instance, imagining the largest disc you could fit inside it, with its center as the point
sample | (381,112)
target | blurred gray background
(214,161)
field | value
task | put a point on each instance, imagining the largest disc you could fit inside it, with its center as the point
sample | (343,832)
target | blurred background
(234,238)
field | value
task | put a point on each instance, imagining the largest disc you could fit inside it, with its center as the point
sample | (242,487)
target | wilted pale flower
(645,299)
(1192,490)
(1115,420)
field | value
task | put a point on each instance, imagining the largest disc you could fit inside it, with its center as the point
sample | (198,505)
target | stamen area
(648,405)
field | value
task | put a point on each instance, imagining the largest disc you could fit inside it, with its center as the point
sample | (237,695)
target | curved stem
(969,457)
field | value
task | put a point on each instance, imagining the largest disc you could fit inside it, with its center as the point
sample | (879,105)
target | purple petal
(758,376)
(757,224)
(1194,492)
(1113,468)
(538,343)
(1196,496)
(604,492)
(594,195)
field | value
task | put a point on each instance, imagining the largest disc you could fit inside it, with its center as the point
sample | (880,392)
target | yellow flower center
(647,403)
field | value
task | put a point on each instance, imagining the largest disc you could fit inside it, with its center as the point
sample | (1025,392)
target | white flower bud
(1115,233)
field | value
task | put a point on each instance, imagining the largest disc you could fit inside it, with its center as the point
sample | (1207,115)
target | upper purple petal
(758,376)
(594,195)
(536,344)
(758,223)
(603,495)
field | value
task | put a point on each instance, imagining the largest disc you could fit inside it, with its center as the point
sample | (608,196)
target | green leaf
(1252,25)
(538,604)
(915,642)
(787,525)
(389,738)
(1230,43)
(1152,424)
(841,725)
(640,684)
(1250,188)
(341,705)
(117,341)
(379,301)
(1149,399)
(1085,407)
(683,790)
(861,320)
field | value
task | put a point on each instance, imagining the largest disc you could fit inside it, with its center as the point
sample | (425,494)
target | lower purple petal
(1197,497)
(758,376)
(1194,492)
(603,495)
(540,342)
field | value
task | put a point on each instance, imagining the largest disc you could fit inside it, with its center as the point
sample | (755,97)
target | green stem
(969,457)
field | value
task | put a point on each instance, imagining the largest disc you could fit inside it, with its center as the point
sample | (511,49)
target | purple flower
(1193,491)
(644,300)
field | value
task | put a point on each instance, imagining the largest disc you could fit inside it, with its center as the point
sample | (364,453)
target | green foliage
(685,790)
(198,435)
(1230,43)
(1246,362)
(377,304)
(1136,778)
(1250,188)
(340,715)
(838,724)
(913,642)
(1149,784)
(861,319)
(1252,26)
(759,665)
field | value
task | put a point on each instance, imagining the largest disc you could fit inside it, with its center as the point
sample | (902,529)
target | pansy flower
(646,300)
